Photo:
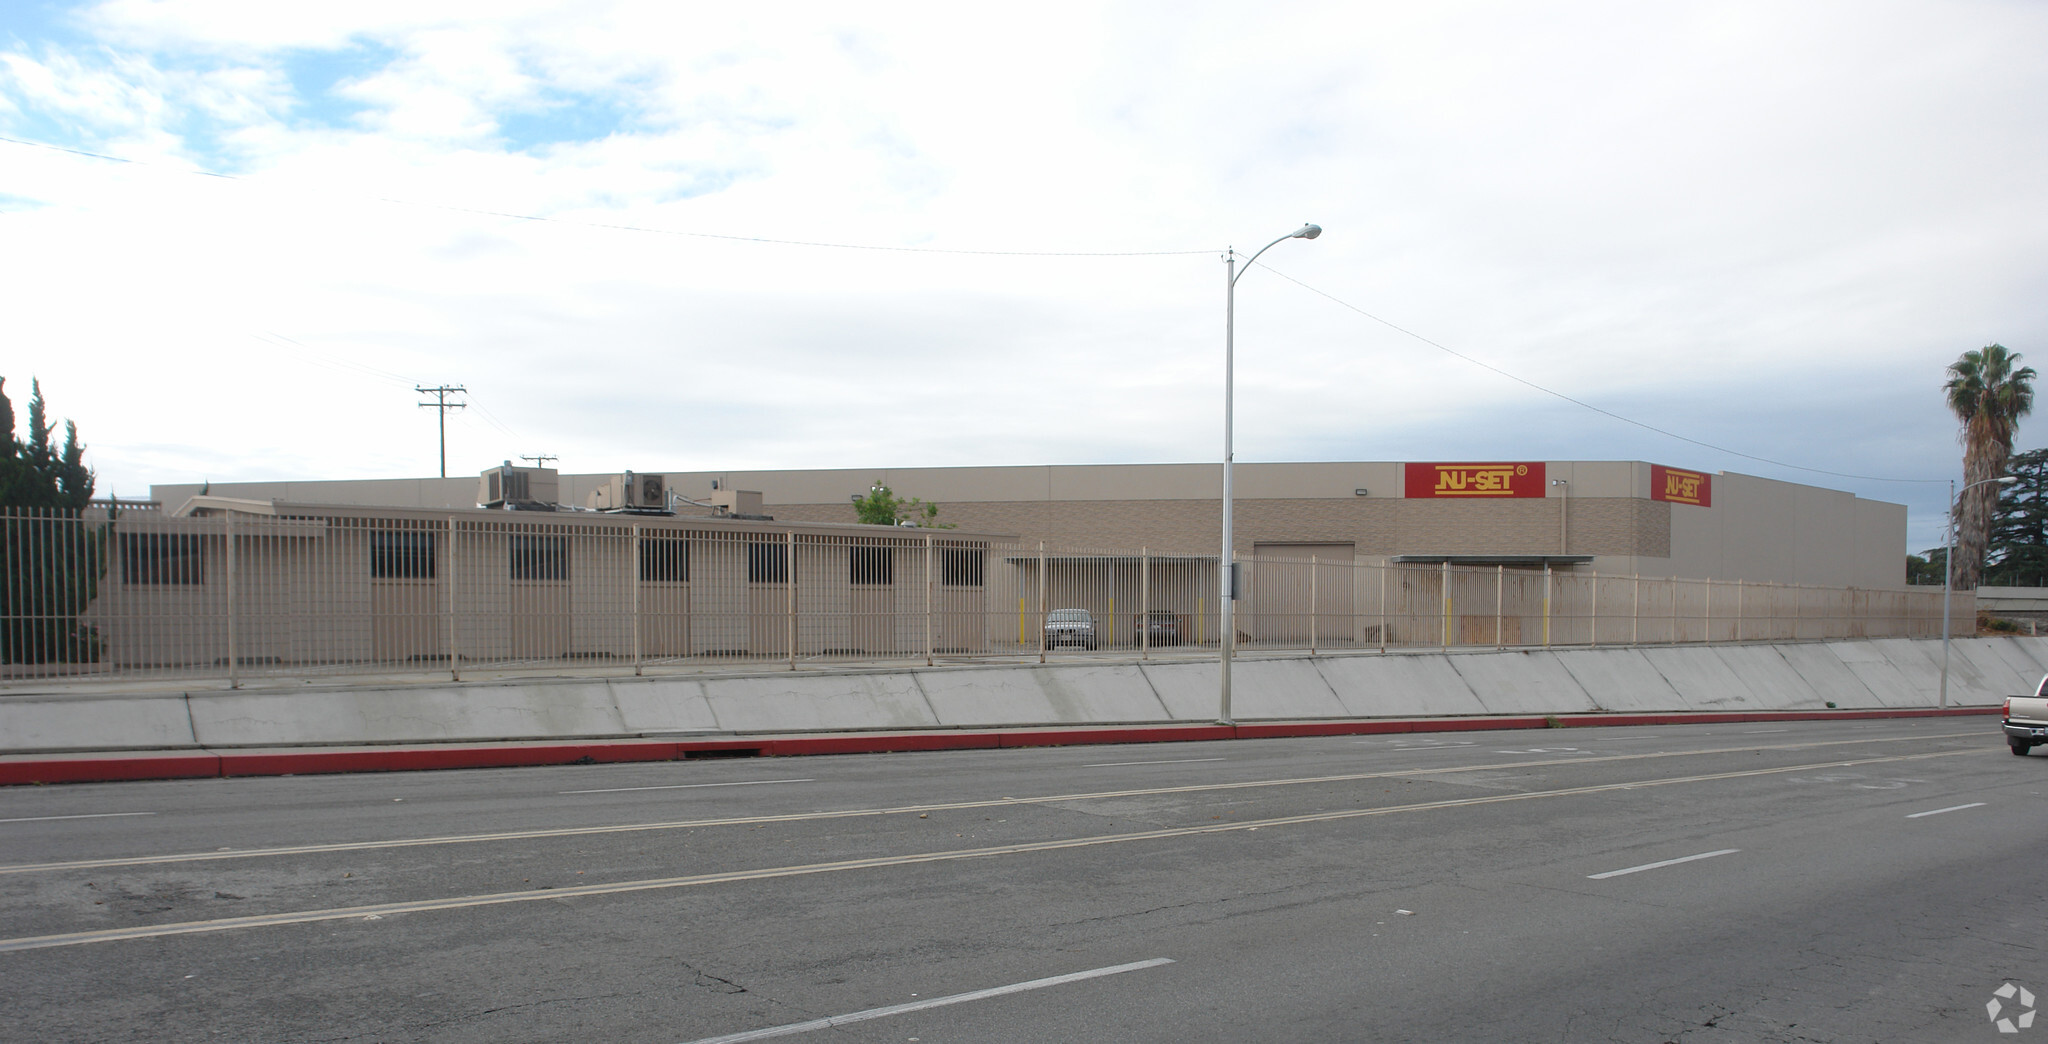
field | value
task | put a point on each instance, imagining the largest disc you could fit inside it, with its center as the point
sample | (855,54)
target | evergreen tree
(2018,554)
(53,559)
(1926,569)
(34,474)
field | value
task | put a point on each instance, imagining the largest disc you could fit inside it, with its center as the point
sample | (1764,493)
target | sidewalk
(202,763)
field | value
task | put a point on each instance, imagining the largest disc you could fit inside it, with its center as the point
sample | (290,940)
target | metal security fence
(285,592)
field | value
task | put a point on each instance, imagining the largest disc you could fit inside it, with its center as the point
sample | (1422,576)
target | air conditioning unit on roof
(508,486)
(647,492)
(632,492)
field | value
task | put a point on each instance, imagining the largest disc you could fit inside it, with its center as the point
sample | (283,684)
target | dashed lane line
(951,806)
(905,1008)
(1660,864)
(383,910)
(88,815)
(1951,808)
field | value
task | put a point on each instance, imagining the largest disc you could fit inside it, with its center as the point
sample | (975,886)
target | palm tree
(1989,392)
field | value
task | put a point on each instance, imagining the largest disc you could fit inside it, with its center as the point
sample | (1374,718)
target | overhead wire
(615,226)
(317,356)
(364,369)
(1519,379)
(494,419)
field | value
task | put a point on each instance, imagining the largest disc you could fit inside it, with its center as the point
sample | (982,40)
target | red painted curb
(1282,730)
(1141,734)
(109,769)
(876,744)
(31,769)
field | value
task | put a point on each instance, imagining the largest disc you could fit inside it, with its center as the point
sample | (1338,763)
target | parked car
(1163,627)
(1070,627)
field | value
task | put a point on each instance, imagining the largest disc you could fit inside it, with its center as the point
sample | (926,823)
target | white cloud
(1772,222)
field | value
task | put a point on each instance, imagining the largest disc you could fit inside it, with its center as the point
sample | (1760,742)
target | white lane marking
(1951,808)
(546,894)
(1121,764)
(1660,864)
(830,1021)
(1760,732)
(688,786)
(952,806)
(93,815)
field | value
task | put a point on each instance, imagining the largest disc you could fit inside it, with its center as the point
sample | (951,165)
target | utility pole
(442,406)
(540,460)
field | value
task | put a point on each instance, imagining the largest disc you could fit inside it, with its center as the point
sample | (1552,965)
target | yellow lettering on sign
(1683,487)
(1475,481)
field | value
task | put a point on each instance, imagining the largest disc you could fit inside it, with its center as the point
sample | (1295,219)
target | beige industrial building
(1614,518)
(524,568)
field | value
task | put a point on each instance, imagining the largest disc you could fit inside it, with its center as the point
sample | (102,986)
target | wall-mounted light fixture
(1359,492)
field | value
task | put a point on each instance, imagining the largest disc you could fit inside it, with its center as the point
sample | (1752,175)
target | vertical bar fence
(237,598)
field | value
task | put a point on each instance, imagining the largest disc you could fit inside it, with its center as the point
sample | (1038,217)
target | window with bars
(402,555)
(664,559)
(767,563)
(960,566)
(540,557)
(162,558)
(873,565)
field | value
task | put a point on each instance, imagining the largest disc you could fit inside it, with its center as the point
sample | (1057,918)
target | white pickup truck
(2026,720)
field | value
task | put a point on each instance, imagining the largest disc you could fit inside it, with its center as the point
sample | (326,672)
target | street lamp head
(1308,232)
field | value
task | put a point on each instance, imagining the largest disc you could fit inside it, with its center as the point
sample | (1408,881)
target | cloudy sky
(668,236)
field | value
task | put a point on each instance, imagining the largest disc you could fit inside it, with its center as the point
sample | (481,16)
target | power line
(442,406)
(616,227)
(496,421)
(326,360)
(1580,402)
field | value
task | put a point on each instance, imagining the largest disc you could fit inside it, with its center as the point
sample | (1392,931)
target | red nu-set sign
(1474,480)
(1681,487)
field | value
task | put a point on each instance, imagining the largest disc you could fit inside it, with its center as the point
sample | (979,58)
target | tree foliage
(882,507)
(1926,569)
(2018,551)
(1988,391)
(34,473)
(54,559)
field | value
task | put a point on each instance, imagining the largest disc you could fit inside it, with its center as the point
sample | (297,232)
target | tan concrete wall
(1765,530)
(1375,526)
(1757,529)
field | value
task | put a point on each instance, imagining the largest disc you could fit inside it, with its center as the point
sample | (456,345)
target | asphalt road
(1869,881)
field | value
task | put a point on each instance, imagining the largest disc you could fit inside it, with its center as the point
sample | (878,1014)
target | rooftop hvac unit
(647,492)
(737,503)
(507,486)
(632,492)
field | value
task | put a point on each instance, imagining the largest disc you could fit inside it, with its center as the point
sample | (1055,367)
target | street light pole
(1226,565)
(1948,569)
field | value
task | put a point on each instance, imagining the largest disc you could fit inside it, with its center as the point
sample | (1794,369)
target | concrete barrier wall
(1888,673)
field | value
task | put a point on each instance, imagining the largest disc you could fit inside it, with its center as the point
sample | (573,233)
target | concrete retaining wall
(1849,675)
